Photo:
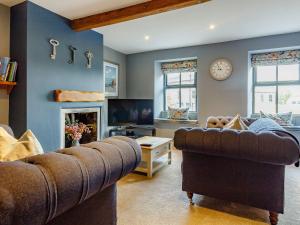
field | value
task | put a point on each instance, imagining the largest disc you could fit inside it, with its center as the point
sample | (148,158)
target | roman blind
(179,66)
(276,58)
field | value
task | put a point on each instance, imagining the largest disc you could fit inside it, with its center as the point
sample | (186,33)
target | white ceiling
(234,20)
(73,9)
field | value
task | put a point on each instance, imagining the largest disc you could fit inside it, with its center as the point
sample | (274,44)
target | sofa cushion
(178,113)
(266,124)
(283,119)
(8,129)
(12,149)
(236,123)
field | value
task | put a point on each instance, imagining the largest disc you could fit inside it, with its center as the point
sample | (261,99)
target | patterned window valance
(276,58)
(181,66)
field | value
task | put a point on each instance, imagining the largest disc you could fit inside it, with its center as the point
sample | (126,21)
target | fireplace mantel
(78,96)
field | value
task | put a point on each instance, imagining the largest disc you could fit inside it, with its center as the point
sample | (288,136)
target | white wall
(4,51)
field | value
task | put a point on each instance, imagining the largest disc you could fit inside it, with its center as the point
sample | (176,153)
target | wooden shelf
(7,85)
(78,96)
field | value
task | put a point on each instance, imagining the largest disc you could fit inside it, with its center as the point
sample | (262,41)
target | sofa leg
(190,196)
(273,218)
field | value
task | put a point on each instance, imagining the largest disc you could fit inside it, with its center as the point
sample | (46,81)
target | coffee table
(152,156)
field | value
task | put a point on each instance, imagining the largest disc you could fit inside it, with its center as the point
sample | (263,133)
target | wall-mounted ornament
(89,55)
(221,69)
(54,44)
(73,50)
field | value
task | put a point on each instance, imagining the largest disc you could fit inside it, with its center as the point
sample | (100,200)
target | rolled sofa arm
(263,147)
(37,189)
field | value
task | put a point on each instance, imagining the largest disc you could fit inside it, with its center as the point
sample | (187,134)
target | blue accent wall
(39,76)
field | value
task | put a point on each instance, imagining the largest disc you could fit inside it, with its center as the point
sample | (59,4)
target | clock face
(221,69)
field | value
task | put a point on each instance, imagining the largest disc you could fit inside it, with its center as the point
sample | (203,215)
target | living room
(207,93)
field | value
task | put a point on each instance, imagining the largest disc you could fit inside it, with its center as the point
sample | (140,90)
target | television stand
(129,131)
(133,131)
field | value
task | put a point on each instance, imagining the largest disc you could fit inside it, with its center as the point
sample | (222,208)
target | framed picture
(111,79)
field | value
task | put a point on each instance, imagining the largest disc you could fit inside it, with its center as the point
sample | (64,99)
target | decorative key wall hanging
(72,49)
(88,54)
(54,43)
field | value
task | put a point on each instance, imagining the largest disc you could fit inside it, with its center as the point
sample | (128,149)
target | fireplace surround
(88,116)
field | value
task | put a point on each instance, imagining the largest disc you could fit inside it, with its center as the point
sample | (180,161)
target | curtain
(276,58)
(180,66)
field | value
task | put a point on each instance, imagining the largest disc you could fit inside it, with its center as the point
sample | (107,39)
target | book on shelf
(7,72)
(10,73)
(4,61)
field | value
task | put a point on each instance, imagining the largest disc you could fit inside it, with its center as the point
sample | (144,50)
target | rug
(160,201)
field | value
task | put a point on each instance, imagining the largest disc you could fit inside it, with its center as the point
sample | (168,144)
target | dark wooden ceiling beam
(131,12)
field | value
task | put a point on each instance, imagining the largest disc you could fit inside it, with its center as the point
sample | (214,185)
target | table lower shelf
(156,165)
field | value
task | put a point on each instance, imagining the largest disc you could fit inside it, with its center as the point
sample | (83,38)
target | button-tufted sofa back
(40,189)
(221,121)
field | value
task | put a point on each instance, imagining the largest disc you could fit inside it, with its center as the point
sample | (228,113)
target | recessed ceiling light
(147,37)
(212,26)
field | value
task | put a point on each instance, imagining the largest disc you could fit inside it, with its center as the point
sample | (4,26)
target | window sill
(163,120)
(292,128)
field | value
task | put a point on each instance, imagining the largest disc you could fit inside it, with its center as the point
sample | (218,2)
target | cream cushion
(12,149)
(236,123)
(178,113)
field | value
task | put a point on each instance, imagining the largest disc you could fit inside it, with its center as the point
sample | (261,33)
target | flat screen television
(130,112)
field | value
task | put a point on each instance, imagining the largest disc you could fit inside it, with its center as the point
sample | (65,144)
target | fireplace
(80,117)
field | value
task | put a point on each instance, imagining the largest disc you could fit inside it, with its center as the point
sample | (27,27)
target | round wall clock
(221,69)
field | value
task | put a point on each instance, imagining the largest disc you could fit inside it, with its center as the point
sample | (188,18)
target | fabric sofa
(75,186)
(246,167)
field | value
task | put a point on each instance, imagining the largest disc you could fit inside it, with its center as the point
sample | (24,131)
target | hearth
(80,117)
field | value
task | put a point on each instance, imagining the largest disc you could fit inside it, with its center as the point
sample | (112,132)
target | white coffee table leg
(149,165)
(170,157)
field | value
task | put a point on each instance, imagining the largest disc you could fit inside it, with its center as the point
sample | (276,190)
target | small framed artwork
(111,79)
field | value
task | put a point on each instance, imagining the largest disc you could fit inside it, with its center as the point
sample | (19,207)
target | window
(180,85)
(180,90)
(276,88)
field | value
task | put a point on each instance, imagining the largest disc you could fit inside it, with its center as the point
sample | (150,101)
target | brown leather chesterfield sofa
(246,167)
(75,186)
